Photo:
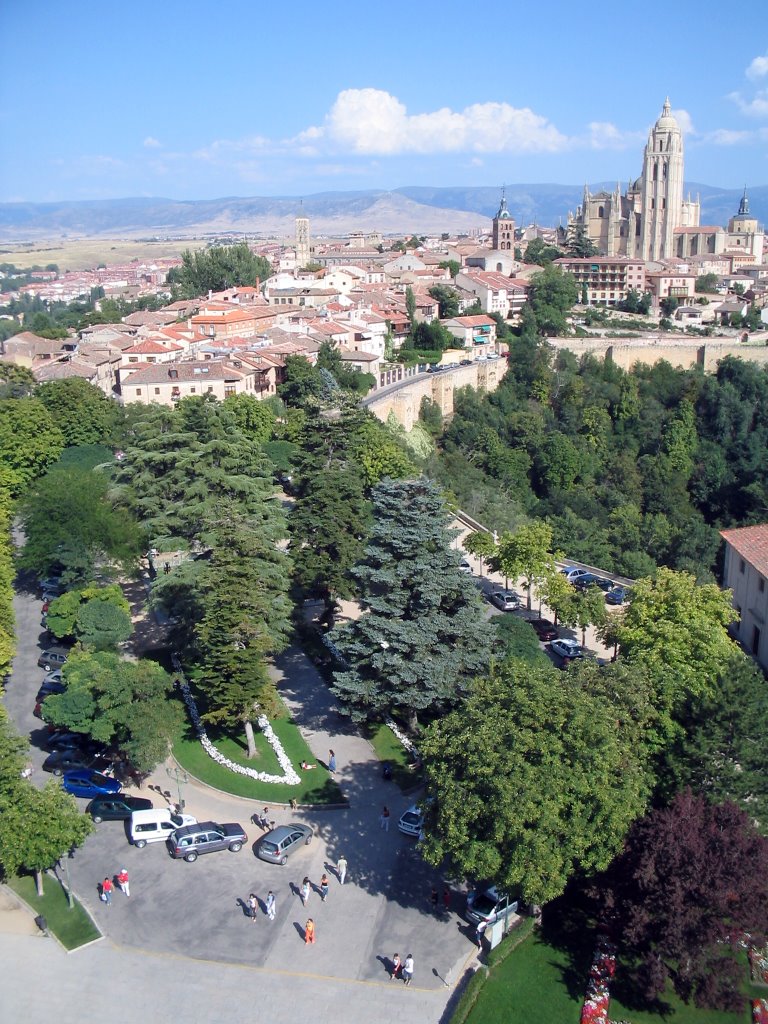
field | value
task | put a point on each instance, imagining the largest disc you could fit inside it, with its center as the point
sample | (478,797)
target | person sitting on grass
(306,766)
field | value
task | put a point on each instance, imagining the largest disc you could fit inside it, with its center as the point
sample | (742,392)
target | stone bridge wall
(676,351)
(404,399)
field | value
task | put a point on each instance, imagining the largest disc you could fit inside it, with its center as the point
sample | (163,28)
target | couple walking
(402,969)
(270,906)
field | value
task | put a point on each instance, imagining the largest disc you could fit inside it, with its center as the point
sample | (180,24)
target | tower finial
(666,108)
(744,204)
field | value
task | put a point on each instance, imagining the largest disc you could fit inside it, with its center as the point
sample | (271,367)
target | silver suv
(205,837)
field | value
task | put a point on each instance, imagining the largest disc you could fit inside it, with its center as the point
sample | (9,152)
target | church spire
(744,204)
(666,108)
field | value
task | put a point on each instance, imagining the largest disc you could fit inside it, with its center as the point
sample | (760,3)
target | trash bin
(42,924)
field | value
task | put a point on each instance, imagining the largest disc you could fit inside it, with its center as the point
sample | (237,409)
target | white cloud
(369,121)
(151,143)
(756,107)
(758,68)
(685,121)
(727,137)
(605,135)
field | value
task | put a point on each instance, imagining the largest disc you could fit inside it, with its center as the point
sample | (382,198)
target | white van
(156,825)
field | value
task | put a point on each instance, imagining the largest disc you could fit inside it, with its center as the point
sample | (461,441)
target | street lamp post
(181,778)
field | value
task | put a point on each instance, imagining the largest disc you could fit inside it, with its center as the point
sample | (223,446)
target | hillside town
(354,292)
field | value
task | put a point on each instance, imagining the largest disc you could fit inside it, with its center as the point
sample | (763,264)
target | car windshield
(411,817)
(269,847)
(177,820)
(483,904)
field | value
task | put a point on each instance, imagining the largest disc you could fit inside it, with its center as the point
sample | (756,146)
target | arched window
(664,170)
(655,172)
(498,268)
(601,211)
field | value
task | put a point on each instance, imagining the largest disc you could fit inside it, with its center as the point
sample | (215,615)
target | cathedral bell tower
(504,228)
(661,189)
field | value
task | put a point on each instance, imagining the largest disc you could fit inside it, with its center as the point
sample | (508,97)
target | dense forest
(631,469)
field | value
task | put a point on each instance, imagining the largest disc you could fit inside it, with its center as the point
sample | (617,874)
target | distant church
(642,222)
(303,247)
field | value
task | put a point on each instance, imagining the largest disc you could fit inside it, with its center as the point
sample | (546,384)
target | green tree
(63,618)
(245,619)
(123,704)
(538,775)
(668,305)
(303,382)
(82,412)
(38,827)
(102,626)
(706,283)
(452,266)
(70,523)
(720,750)
(424,634)
(218,268)
(328,523)
(410,305)
(29,439)
(528,553)
(676,630)
(480,544)
(539,252)
(448,300)
(553,294)
(256,419)
(516,639)
(579,244)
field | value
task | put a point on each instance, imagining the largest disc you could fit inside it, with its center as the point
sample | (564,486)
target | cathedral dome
(667,121)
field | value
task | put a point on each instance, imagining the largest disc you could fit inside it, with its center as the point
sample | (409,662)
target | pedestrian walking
(106,891)
(341,867)
(479,933)
(253,906)
(324,888)
(384,819)
(264,823)
(271,905)
(397,967)
(434,899)
(331,762)
(124,882)
(309,932)
(306,887)
(408,969)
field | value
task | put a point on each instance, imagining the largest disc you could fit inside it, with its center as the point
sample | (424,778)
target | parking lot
(197,910)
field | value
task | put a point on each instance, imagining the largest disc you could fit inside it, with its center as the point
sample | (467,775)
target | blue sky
(200,100)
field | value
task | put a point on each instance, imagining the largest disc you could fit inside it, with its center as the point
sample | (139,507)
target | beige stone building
(642,221)
(168,383)
(745,573)
(606,279)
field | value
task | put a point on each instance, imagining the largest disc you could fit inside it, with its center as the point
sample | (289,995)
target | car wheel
(47,668)
(308,840)
(190,858)
(98,820)
(235,847)
(284,860)
(140,844)
(56,771)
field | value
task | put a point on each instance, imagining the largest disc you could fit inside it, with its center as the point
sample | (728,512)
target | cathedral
(642,221)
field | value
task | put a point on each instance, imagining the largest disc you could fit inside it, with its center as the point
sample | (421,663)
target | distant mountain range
(421,209)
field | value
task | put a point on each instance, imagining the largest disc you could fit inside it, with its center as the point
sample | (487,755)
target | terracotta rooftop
(751,542)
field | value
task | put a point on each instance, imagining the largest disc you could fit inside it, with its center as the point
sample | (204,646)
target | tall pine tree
(423,634)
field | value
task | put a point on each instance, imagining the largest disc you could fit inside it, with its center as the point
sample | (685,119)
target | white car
(572,574)
(506,600)
(411,821)
(566,648)
(464,566)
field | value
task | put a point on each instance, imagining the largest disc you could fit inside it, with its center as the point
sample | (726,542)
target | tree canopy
(690,884)
(423,635)
(216,269)
(536,776)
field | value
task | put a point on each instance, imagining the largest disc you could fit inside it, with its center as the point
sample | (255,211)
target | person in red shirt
(106,891)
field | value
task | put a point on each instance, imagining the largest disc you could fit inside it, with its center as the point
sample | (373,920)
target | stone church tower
(661,188)
(504,228)
(302,239)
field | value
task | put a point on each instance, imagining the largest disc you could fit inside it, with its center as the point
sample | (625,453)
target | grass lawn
(389,748)
(316,786)
(73,927)
(541,981)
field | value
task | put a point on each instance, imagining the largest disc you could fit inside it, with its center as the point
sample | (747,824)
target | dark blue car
(88,783)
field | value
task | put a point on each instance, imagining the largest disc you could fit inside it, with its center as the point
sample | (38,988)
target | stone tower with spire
(661,187)
(504,227)
(302,238)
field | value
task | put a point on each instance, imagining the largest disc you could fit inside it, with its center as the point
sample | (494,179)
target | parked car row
(582,579)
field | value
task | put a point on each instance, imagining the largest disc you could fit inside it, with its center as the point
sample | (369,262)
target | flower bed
(760,1011)
(289,776)
(598,997)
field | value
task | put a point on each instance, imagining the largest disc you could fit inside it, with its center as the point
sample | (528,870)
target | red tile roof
(751,542)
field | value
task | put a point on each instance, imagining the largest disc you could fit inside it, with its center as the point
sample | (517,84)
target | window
(755,640)
(157,391)
(138,392)
(742,566)
(761,585)
(192,391)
